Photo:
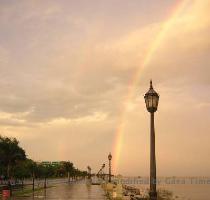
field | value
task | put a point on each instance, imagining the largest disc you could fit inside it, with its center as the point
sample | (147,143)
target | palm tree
(69,168)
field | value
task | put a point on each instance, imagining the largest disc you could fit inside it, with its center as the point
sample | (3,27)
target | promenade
(76,191)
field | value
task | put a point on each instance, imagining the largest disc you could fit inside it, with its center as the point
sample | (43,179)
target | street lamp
(110,173)
(89,172)
(151,100)
(103,166)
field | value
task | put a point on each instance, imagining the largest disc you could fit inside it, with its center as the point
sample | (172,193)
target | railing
(29,184)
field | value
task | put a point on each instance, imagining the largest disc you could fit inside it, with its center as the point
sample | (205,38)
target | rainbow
(166,26)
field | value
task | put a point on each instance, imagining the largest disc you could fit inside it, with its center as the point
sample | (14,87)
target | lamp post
(151,100)
(89,172)
(33,174)
(102,174)
(110,173)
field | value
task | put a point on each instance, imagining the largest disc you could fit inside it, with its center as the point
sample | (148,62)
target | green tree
(24,169)
(69,167)
(10,153)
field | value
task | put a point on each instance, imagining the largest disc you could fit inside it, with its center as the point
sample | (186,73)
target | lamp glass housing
(109,156)
(151,99)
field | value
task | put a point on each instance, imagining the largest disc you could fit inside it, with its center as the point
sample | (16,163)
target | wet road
(65,191)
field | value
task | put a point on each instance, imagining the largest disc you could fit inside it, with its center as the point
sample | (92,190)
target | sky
(67,67)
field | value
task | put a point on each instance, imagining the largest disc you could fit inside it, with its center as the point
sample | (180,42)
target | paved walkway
(76,191)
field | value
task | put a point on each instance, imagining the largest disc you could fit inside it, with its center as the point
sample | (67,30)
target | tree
(69,167)
(24,169)
(10,153)
(13,163)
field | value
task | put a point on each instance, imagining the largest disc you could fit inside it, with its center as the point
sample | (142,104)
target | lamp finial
(151,87)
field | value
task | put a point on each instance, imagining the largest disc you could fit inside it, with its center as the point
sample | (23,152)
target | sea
(180,188)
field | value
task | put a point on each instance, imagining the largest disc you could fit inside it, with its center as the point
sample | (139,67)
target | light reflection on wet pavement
(65,191)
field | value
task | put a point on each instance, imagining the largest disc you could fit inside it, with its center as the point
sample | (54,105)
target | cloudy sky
(66,68)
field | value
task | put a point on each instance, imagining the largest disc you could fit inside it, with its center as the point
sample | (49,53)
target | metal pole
(22,184)
(10,187)
(68,177)
(33,182)
(45,182)
(153,192)
(109,170)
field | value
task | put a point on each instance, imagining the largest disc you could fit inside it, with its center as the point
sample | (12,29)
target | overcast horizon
(66,68)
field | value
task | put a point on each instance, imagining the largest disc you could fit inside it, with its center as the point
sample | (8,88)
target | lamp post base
(153,195)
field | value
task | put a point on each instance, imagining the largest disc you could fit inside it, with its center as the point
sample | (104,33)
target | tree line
(15,164)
